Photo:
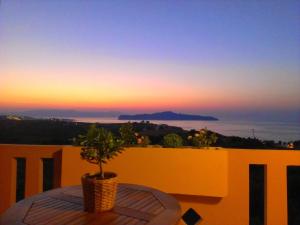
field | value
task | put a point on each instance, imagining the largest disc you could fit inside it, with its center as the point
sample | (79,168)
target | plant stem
(101,170)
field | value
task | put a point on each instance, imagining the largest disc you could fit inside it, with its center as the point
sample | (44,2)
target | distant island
(168,115)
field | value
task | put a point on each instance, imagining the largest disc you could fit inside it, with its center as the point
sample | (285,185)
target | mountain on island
(168,115)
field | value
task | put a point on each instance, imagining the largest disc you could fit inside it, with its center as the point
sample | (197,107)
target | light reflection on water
(284,131)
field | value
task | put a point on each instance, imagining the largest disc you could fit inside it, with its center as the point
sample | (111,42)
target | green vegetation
(145,141)
(203,138)
(127,134)
(172,141)
(99,146)
(61,132)
(141,140)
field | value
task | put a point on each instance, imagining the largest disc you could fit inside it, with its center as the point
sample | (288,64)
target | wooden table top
(135,205)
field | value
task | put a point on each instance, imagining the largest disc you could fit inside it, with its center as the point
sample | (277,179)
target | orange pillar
(34,176)
(7,181)
(276,196)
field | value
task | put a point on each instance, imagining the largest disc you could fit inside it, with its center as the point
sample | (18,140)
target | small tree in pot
(99,190)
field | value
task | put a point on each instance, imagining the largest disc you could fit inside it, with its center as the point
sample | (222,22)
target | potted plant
(99,190)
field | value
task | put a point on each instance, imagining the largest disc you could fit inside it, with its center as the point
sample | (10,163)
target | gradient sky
(143,56)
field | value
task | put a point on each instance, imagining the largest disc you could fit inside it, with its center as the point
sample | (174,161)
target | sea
(277,131)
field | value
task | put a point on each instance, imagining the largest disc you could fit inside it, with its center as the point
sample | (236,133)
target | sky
(206,57)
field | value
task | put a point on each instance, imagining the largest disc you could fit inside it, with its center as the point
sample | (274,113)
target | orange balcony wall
(178,171)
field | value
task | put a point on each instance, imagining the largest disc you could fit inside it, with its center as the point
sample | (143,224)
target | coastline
(277,131)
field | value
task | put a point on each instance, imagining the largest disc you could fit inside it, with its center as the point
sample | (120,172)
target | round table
(135,204)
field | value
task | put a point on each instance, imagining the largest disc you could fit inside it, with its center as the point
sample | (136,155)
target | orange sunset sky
(131,56)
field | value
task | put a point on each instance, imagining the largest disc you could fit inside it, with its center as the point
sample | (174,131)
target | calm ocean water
(284,131)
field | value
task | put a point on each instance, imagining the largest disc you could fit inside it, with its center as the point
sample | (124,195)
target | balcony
(214,182)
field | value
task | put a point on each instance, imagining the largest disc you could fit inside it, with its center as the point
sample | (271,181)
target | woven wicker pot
(99,195)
